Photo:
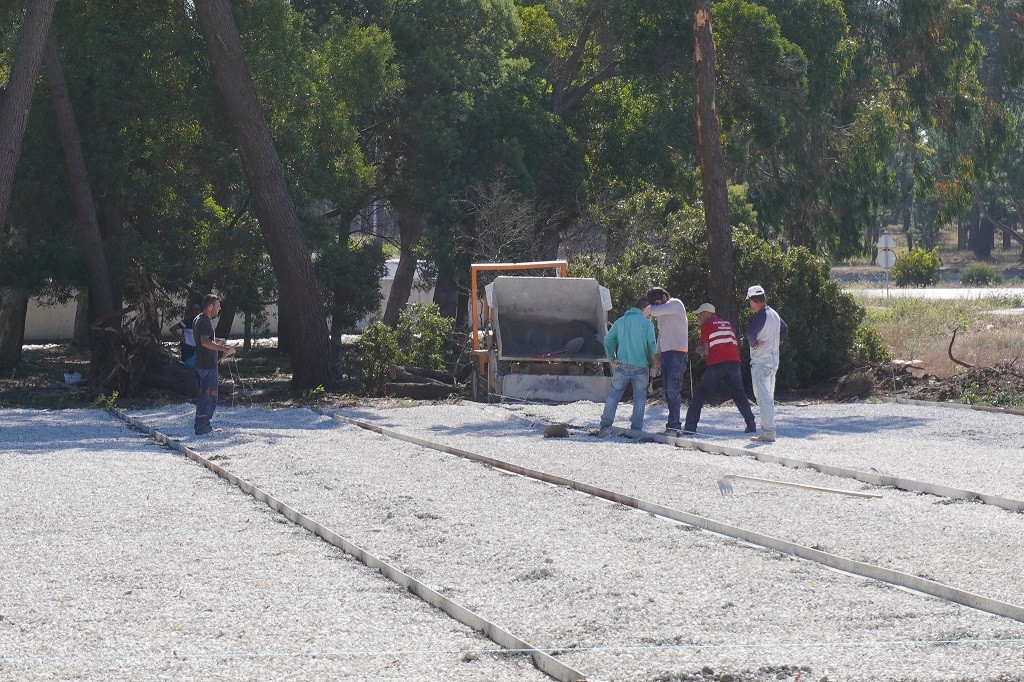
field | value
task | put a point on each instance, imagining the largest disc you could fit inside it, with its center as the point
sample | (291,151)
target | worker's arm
(214,345)
(652,345)
(783,330)
(175,330)
(755,327)
(671,307)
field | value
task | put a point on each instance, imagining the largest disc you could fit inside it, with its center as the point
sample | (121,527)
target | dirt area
(998,386)
(259,376)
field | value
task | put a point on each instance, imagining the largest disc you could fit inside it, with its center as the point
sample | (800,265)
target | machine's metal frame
(529,381)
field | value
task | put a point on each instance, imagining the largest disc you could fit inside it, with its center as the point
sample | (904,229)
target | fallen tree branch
(949,351)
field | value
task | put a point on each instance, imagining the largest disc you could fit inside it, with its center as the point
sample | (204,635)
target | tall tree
(101,294)
(712,165)
(279,222)
(17,97)
(13,307)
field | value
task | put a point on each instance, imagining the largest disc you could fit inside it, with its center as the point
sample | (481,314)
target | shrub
(417,340)
(917,267)
(981,274)
(869,348)
(822,319)
(641,267)
(986,396)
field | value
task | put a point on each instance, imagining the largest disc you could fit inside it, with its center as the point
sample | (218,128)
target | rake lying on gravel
(725,486)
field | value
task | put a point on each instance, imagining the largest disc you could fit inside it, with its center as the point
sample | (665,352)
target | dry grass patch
(922,329)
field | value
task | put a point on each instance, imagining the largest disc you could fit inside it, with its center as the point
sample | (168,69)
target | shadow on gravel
(851,425)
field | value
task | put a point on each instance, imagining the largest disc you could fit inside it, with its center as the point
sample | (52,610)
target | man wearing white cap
(718,344)
(764,334)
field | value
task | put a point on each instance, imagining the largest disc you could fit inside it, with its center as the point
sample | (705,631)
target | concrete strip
(858,568)
(955,406)
(503,638)
(863,476)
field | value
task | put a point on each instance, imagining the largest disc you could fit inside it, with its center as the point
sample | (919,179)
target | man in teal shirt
(631,347)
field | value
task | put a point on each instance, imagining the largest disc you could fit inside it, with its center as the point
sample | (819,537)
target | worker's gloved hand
(655,371)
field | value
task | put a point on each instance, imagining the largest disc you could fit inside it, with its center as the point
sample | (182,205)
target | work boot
(604,432)
(750,429)
(764,437)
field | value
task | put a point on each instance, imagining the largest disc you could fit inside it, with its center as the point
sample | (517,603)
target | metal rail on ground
(503,638)
(857,568)
(869,477)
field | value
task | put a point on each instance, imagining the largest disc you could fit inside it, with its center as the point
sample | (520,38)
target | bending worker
(722,351)
(629,344)
(673,343)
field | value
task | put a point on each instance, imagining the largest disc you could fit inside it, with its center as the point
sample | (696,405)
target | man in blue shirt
(631,347)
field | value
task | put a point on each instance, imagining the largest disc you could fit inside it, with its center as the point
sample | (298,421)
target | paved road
(942,293)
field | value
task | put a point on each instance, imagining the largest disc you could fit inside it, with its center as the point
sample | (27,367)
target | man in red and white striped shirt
(718,344)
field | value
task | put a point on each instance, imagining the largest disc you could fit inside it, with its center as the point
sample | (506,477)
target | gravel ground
(972,546)
(121,560)
(629,596)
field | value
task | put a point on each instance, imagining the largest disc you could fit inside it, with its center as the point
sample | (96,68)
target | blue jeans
(673,371)
(763,378)
(729,374)
(623,376)
(206,399)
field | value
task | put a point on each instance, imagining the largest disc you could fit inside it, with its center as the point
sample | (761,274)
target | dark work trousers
(206,400)
(673,370)
(729,374)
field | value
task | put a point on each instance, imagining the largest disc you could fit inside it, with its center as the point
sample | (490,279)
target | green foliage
(641,267)
(868,347)
(351,272)
(378,350)
(981,274)
(985,396)
(918,267)
(314,394)
(823,320)
(422,334)
(417,340)
(105,401)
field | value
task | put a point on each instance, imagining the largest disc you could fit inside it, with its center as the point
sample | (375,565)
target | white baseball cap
(756,290)
(706,308)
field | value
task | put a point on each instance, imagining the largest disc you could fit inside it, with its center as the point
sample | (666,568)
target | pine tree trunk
(289,254)
(712,166)
(228,310)
(446,292)
(13,308)
(86,220)
(410,227)
(17,96)
(80,339)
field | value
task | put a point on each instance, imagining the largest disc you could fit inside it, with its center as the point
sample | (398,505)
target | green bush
(918,268)
(985,396)
(417,340)
(641,267)
(981,274)
(868,347)
(822,319)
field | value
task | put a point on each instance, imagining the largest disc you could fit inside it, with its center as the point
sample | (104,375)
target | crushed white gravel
(121,560)
(628,596)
